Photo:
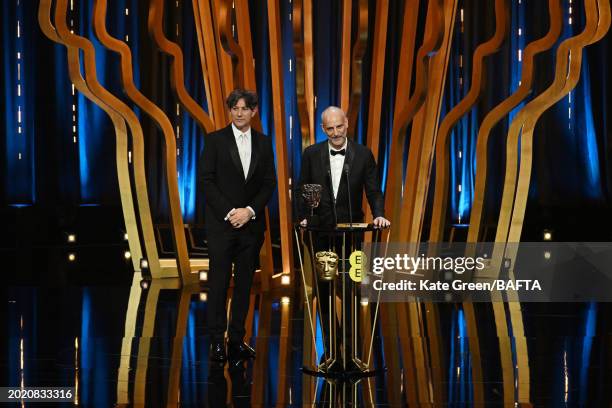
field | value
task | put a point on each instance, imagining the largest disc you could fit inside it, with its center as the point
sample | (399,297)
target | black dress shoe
(240,351)
(217,352)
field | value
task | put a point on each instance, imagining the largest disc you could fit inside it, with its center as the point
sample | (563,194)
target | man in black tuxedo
(331,163)
(344,169)
(239,179)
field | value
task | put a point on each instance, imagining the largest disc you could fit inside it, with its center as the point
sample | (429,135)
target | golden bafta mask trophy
(311,193)
(326,264)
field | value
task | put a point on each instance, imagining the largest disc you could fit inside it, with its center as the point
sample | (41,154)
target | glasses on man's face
(243,109)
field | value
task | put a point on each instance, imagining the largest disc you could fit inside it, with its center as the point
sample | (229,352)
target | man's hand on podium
(381,222)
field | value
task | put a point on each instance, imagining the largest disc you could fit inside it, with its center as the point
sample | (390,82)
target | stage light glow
(285,280)
(71,238)
(365,301)
(72,257)
(144,284)
(127,255)
(144,264)
(203,275)
(285,300)
(203,297)
(125,236)
(547,235)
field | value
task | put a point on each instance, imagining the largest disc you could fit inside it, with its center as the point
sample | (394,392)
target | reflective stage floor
(125,345)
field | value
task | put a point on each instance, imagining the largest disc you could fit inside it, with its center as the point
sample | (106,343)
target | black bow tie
(335,152)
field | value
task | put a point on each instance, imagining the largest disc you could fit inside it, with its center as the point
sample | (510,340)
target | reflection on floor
(147,346)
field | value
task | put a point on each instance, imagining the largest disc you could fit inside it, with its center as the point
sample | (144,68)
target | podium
(330,257)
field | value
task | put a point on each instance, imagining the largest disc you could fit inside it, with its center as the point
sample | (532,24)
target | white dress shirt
(336,164)
(243,140)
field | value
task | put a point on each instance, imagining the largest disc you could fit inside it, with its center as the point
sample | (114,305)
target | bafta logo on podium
(326,263)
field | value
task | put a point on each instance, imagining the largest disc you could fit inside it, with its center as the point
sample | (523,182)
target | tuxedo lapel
(233,149)
(324,155)
(254,154)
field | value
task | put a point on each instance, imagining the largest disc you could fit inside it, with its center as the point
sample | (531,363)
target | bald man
(342,167)
(331,163)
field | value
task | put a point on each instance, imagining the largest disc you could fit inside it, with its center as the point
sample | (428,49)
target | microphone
(331,193)
(348,191)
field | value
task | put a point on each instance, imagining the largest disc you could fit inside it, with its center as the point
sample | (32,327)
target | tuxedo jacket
(362,175)
(225,186)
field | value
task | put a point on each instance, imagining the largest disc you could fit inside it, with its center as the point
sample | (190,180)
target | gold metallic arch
(209,61)
(490,120)
(526,118)
(229,44)
(421,382)
(405,114)
(345,54)
(356,66)
(224,59)
(376,89)
(245,42)
(567,74)
(478,82)
(241,55)
(155,23)
(378,74)
(423,136)
(130,220)
(500,111)
(304,72)
(394,316)
(162,121)
(282,165)
(119,114)
(240,52)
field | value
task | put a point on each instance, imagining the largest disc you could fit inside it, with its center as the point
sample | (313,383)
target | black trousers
(240,247)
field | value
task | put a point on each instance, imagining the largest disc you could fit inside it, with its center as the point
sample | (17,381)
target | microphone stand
(331,193)
(348,191)
(344,255)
